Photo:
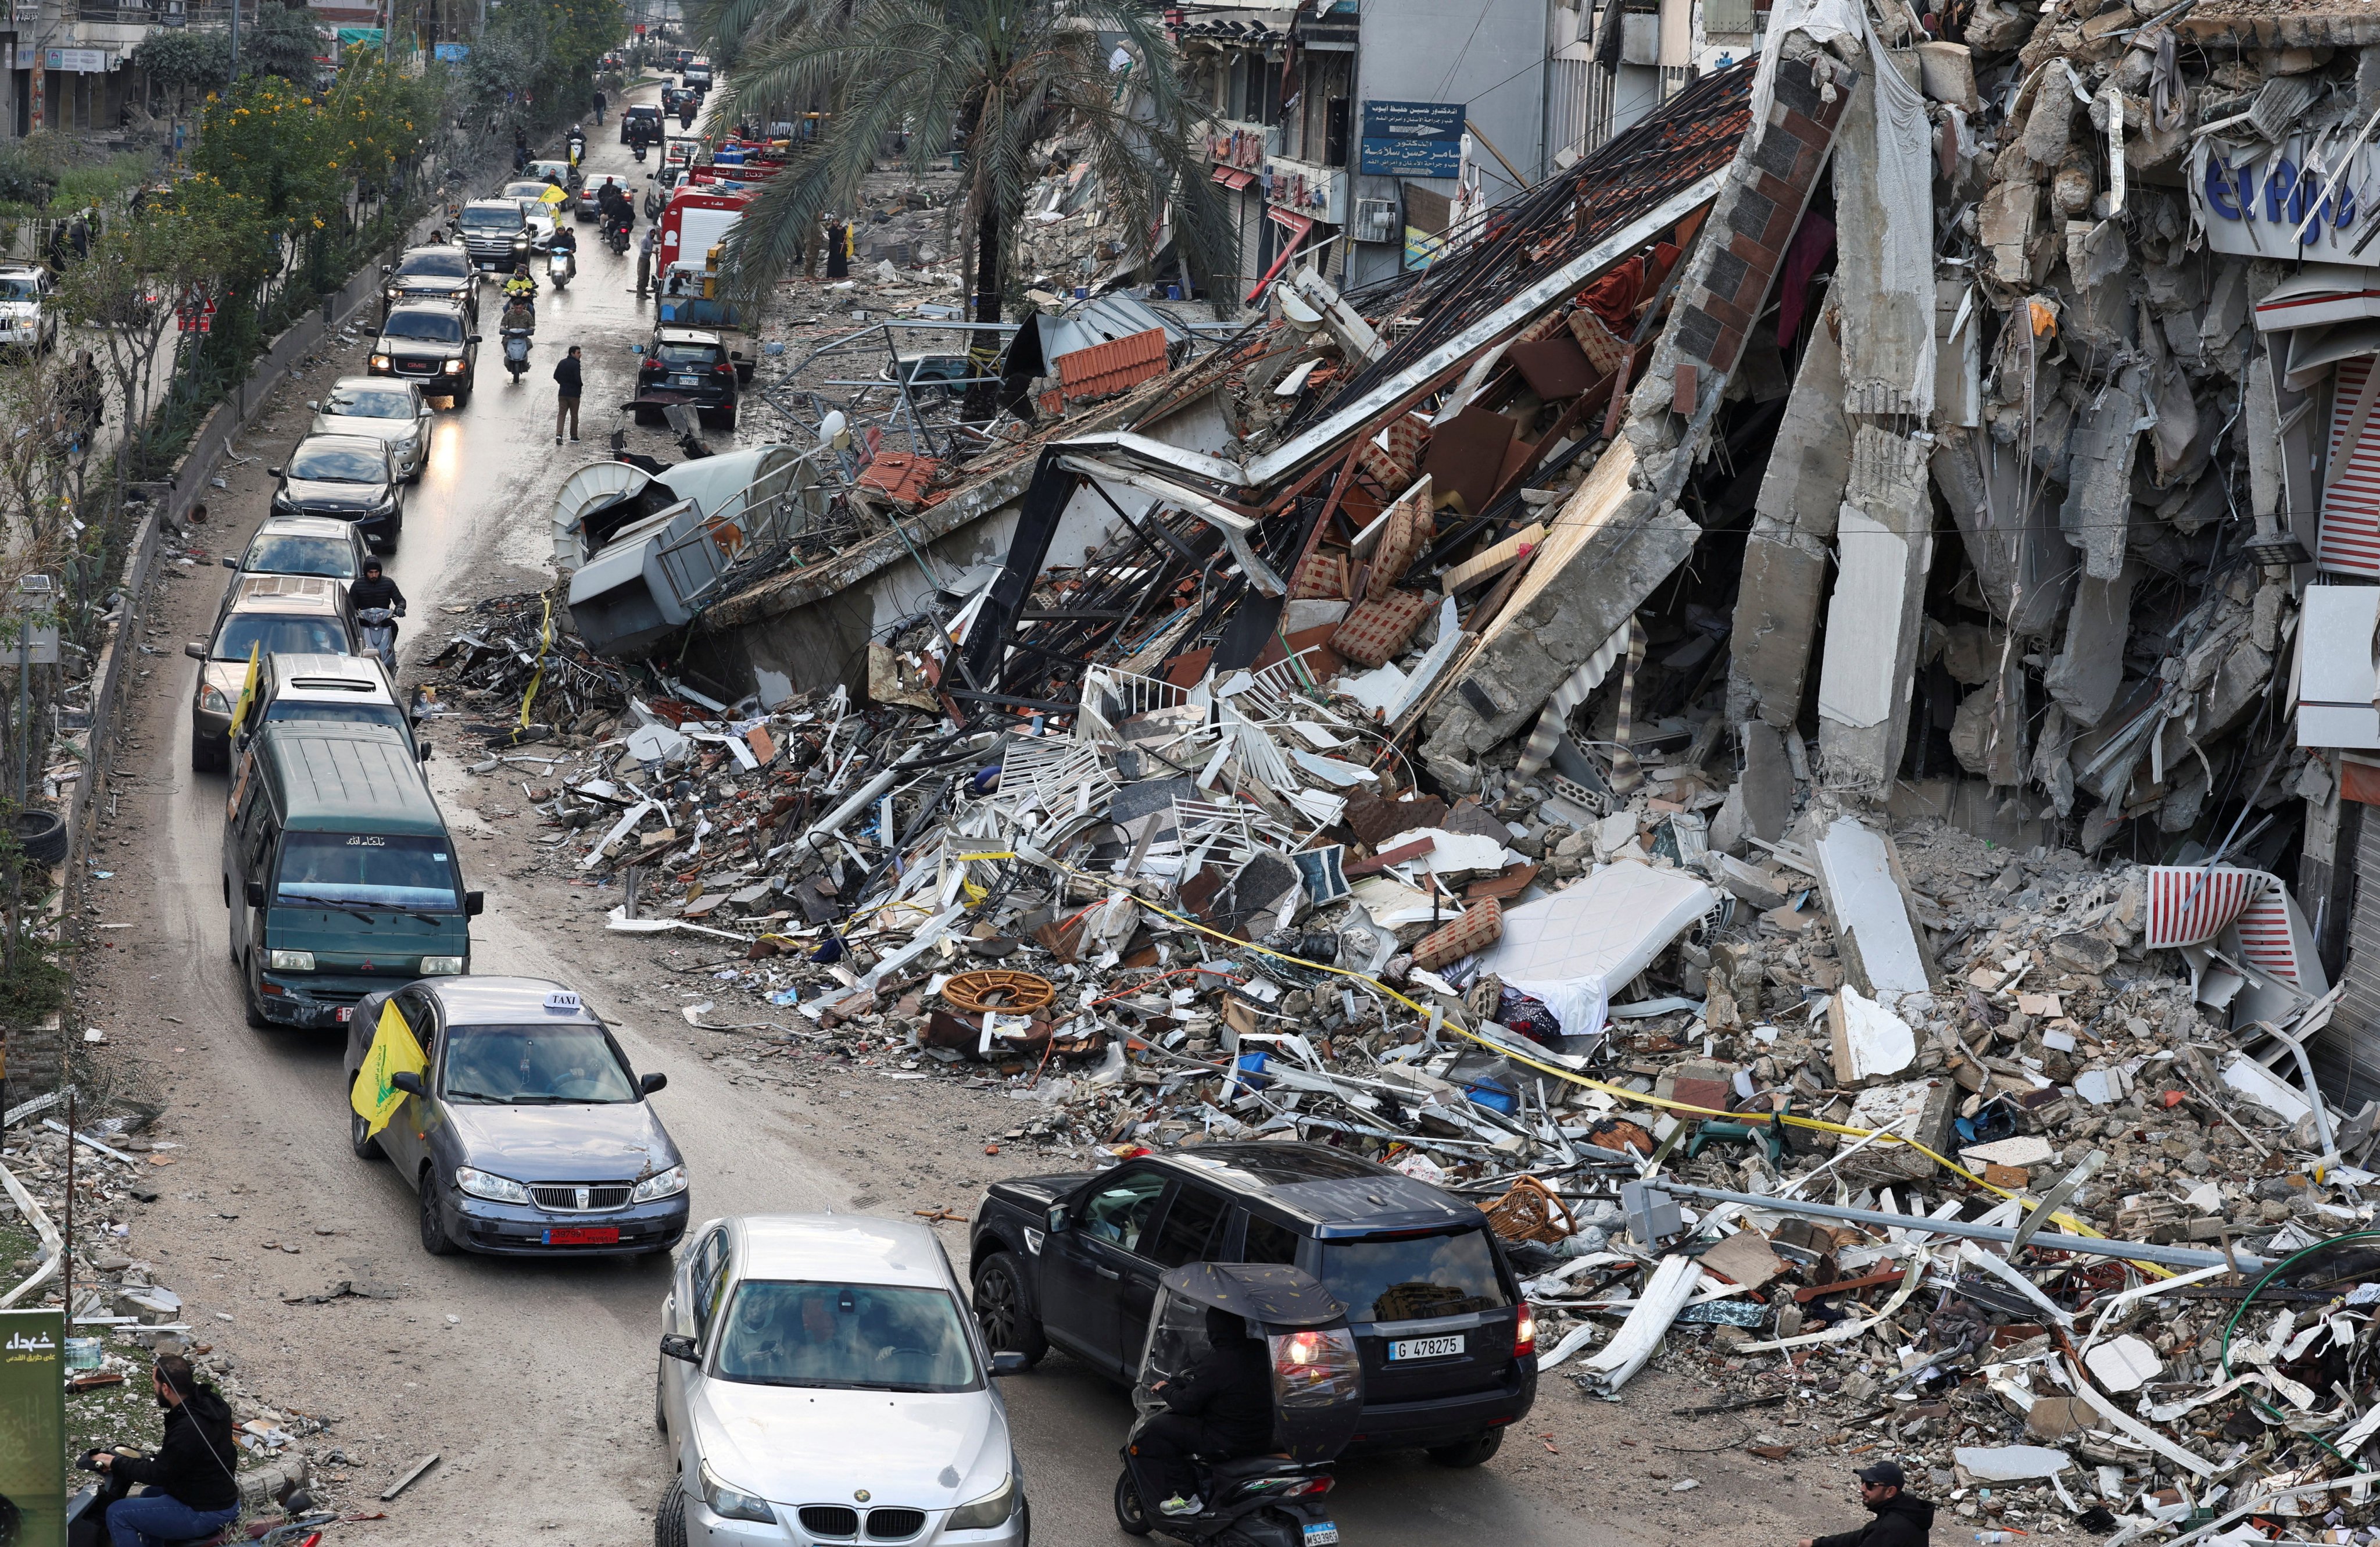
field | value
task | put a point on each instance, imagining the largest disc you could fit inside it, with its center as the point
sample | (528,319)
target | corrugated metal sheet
(2189,905)
(1106,367)
(2349,543)
(2346,1054)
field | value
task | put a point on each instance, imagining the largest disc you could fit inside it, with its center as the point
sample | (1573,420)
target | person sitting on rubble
(1901,1521)
(192,1480)
(1219,1410)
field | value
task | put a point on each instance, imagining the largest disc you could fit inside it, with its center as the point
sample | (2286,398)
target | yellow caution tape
(544,642)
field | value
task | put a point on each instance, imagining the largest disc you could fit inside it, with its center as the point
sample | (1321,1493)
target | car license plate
(1425,1348)
(1321,1534)
(583,1235)
(346,1013)
(685,381)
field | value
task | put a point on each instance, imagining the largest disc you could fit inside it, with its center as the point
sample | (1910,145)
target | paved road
(532,1381)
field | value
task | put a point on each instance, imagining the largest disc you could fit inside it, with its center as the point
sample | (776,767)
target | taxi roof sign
(562,999)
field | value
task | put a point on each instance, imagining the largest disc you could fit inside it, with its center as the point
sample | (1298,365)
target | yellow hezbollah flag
(393,1051)
(553,195)
(247,689)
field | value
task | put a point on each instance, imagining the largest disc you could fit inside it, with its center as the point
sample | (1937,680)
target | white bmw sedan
(821,1381)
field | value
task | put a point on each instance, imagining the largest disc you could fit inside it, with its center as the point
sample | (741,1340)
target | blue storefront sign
(1413,138)
(454,53)
(2282,203)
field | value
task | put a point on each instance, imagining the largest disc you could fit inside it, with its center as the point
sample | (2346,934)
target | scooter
(516,342)
(615,233)
(561,263)
(637,151)
(379,628)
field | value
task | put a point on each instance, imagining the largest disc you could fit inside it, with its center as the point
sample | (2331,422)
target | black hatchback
(1448,1343)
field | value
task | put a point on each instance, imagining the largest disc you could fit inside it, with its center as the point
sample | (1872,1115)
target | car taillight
(1525,1333)
(1313,1486)
(720,367)
(1301,1349)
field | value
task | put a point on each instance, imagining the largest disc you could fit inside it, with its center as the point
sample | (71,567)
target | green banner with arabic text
(32,1429)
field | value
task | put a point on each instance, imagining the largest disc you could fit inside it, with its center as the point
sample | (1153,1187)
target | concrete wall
(1492,59)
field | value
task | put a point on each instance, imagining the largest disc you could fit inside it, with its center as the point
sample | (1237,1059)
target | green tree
(284,41)
(995,79)
(183,61)
(537,57)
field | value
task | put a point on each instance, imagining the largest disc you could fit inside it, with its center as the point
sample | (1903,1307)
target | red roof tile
(1106,367)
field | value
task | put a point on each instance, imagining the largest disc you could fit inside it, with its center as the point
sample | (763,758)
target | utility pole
(234,39)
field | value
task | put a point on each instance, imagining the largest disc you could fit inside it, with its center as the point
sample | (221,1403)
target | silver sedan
(387,410)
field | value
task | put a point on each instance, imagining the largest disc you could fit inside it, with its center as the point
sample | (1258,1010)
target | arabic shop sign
(32,1428)
(1413,138)
(2266,202)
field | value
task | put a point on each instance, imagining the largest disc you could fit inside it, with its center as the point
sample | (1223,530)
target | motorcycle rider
(372,589)
(193,1481)
(566,241)
(577,144)
(520,289)
(1220,1408)
(618,214)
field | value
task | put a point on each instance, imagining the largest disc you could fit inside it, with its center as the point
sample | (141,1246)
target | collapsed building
(1840,632)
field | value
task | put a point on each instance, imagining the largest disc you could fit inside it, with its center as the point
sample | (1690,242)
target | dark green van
(338,873)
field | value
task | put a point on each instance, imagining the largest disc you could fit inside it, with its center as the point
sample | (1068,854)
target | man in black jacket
(1901,1521)
(193,1478)
(373,589)
(567,386)
(1220,1408)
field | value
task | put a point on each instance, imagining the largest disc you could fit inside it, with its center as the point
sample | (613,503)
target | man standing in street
(1901,1521)
(566,376)
(649,244)
(601,103)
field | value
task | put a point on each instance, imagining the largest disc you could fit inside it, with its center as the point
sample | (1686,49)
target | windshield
(501,220)
(20,288)
(315,713)
(440,263)
(325,463)
(1413,1278)
(334,556)
(434,328)
(535,1065)
(370,403)
(244,632)
(866,1336)
(524,191)
(687,354)
(367,870)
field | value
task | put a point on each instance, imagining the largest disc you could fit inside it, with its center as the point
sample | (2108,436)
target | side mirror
(196,650)
(254,893)
(474,338)
(388,268)
(1058,1219)
(275,471)
(409,1082)
(652,1082)
(677,1345)
(229,562)
(474,904)
(313,405)
(1008,1362)
(422,753)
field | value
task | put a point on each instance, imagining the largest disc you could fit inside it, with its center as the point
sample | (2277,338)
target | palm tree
(991,79)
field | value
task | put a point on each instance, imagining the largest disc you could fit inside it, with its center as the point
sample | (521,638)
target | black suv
(643,113)
(496,233)
(429,342)
(1448,1345)
(440,273)
(690,366)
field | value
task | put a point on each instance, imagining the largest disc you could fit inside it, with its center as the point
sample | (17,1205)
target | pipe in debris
(2048,1240)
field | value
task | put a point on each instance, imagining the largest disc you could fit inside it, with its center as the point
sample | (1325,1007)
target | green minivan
(338,872)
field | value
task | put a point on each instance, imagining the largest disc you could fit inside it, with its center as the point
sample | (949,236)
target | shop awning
(1234,178)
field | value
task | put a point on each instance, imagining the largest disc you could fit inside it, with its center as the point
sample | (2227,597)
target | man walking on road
(600,104)
(566,410)
(1901,1521)
(646,248)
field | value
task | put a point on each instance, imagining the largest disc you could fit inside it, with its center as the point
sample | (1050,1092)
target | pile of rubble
(124,1317)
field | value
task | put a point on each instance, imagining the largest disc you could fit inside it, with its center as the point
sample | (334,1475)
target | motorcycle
(616,232)
(637,151)
(686,115)
(1274,1499)
(378,625)
(577,150)
(561,264)
(516,342)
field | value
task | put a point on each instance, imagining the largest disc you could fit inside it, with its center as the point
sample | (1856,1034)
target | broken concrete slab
(1881,953)
(1875,615)
(2085,674)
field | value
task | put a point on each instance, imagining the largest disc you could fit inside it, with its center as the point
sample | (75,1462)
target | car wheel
(434,1239)
(1131,1514)
(1005,1308)
(1471,1452)
(669,1525)
(727,417)
(661,1413)
(204,757)
(360,1138)
(249,1001)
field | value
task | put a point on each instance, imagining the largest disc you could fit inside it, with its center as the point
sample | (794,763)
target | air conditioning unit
(1376,220)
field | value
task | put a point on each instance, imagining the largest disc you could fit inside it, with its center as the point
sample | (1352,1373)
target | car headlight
(453,368)
(733,1503)
(380,362)
(408,446)
(665,1184)
(215,701)
(289,961)
(393,294)
(987,1513)
(496,1189)
(441,967)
